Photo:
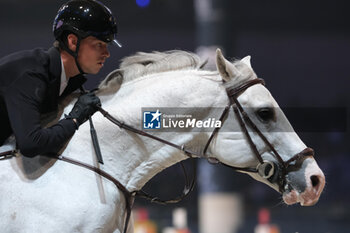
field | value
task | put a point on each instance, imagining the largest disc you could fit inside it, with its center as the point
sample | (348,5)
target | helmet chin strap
(76,57)
(74,53)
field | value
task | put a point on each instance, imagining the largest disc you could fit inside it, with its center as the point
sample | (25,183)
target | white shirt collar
(64,81)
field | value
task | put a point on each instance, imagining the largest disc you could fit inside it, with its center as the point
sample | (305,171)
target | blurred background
(299,47)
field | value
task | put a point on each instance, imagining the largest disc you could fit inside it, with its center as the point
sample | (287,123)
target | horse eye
(266,114)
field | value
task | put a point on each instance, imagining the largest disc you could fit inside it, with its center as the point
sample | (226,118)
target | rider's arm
(24,99)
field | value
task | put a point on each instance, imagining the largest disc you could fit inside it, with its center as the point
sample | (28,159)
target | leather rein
(280,169)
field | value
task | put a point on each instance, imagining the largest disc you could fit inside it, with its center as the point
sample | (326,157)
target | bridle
(272,171)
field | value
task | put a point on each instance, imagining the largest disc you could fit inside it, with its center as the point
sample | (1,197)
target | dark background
(299,47)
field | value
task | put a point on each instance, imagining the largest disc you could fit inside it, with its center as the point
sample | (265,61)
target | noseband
(274,172)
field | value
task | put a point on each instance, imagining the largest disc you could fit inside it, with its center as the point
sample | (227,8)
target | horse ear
(225,68)
(246,60)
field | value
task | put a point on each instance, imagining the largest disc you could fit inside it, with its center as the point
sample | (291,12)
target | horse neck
(134,159)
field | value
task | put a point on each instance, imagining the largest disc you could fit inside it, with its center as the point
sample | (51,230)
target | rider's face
(92,54)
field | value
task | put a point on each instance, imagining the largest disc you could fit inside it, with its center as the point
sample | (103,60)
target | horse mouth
(294,197)
(309,196)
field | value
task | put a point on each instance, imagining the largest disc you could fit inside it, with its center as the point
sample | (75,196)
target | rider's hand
(85,107)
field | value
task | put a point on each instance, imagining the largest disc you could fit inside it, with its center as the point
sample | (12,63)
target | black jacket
(29,87)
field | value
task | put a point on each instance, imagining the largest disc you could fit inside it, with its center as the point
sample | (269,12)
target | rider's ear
(72,41)
(226,69)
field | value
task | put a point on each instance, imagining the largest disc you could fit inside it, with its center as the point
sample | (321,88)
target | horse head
(270,151)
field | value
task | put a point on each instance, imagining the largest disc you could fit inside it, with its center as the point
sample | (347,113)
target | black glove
(85,107)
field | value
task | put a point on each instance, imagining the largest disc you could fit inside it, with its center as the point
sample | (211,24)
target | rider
(33,82)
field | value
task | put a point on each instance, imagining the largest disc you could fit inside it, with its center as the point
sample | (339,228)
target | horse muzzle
(305,185)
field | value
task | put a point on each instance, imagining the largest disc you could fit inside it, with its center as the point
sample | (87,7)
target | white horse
(48,195)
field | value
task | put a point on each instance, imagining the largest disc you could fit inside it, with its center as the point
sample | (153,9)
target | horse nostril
(314,181)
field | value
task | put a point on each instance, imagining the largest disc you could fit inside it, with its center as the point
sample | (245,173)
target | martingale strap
(187,190)
(129,196)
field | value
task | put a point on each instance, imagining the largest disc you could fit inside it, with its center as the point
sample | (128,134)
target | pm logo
(152,120)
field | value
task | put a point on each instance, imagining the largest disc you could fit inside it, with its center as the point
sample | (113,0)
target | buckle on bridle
(267,169)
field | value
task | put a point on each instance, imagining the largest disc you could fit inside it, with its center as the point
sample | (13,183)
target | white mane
(142,64)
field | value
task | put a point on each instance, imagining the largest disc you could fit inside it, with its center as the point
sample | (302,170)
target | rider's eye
(266,114)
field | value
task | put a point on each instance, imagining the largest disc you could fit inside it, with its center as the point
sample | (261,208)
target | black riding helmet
(84,18)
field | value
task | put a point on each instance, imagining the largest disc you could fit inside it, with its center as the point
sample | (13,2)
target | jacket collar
(55,74)
(73,84)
